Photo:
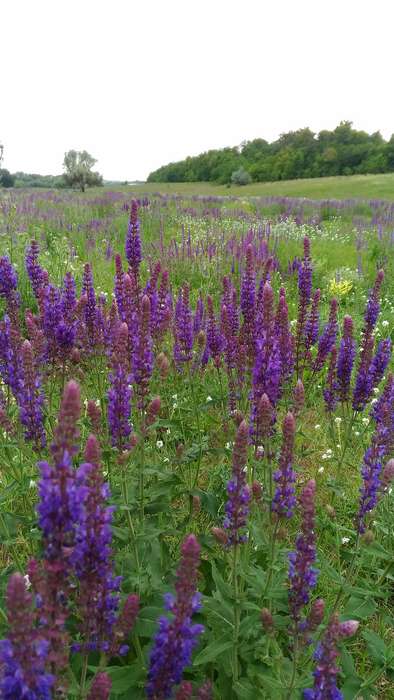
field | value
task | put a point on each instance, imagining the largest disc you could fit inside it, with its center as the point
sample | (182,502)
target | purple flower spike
(326,654)
(34,269)
(100,688)
(133,240)
(23,655)
(237,506)
(381,445)
(304,298)
(328,338)
(312,323)
(215,341)
(31,400)
(143,355)
(177,637)
(119,392)
(302,573)
(98,597)
(284,500)
(346,357)
(183,330)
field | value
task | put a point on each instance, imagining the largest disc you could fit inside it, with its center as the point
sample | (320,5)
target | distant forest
(296,154)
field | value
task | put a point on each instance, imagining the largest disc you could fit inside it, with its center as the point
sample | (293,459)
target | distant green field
(345,187)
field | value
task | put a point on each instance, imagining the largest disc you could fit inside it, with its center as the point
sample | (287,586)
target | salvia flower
(143,355)
(215,339)
(382,443)
(100,688)
(346,357)
(23,655)
(183,330)
(302,572)
(31,400)
(133,240)
(373,306)
(312,322)
(11,370)
(328,338)
(284,499)
(326,668)
(237,506)
(8,277)
(177,637)
(34,269)
(119,392)
(98,593)
(304,298)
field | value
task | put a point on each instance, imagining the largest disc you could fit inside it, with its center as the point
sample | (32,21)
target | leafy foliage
(296,154)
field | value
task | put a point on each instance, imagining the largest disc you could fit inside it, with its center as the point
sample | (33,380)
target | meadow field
(380,186)
(197,421)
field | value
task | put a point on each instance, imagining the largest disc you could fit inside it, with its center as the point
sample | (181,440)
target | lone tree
(78,170)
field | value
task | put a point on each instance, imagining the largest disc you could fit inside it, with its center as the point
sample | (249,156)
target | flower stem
(236,613)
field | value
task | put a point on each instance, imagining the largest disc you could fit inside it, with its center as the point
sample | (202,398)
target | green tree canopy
(78,170)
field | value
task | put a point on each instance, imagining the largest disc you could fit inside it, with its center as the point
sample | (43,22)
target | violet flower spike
(23,655)
(326,654)
(302,572)
(237,506)
(346,357)
(119,392)
(31,400)
(284,499)
(133,240)
(177,637)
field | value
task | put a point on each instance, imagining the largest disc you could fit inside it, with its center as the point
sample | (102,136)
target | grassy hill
(345,187)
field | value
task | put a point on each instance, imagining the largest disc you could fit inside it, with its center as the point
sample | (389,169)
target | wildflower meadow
(197,447)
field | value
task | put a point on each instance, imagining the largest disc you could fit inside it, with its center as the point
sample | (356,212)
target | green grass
(345,187)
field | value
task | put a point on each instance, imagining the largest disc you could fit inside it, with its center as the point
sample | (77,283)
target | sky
(140,84)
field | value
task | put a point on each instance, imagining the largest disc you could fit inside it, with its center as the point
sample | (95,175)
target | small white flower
(32,484)
(385,324)
(324,456)
(27,581)
(317,426)
(174,396)
(159,444)
(356,433)
(174,406)
(168,431)
(366,421)
(321,470)
(376,390)
(228,445)
(260,451)
(329,451)
(166,459)
(345,540)
(338,447)
(374,401)
(209,398)
(338,420)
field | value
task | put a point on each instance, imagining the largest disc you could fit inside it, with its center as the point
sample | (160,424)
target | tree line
(78,173)
(295,154)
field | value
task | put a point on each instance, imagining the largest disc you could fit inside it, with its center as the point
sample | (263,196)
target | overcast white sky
(139,84)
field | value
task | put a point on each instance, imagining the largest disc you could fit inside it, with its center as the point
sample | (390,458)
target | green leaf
(212,652)
(146,623)
(245,690)
(124,677)
(360,608)
(376,646)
